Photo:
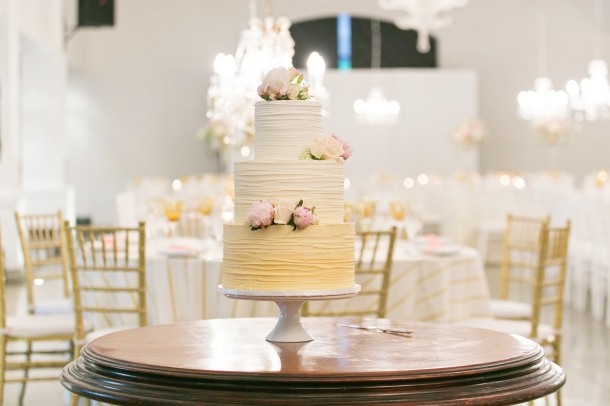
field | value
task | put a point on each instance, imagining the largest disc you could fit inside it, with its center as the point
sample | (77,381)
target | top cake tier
(285,129)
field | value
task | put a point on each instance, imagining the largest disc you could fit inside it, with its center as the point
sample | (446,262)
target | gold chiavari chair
(53,331)
(548,284)
(521,249)
(374,262)
(44,246)
(109,280)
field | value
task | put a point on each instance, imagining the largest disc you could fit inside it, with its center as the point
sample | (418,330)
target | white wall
(432,102)
(142,84)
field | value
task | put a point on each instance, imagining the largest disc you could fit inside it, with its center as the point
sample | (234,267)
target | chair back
(191,224)
(108,274)
(373,266)
(523,240)
(543,256)
(551,276)
(44,244)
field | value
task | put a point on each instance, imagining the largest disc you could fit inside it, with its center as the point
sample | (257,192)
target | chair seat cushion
(103,331)
(519,327)
(39,325)
(510,309)
(56,306)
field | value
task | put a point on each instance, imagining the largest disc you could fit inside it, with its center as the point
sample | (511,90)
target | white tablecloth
(423,288)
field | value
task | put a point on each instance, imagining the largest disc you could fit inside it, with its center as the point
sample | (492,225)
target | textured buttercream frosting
(319,257)
(278,258)
(285,129)
(318,183)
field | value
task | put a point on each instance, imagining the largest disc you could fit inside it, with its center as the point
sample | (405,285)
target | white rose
(276,82)
(317,150)
(332,148)
(283,211)
(293,92)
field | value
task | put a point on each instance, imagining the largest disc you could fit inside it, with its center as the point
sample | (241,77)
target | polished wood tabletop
(228,361)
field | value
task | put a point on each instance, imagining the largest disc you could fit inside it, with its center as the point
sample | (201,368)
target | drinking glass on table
(398,209)
(173,210)
(366,212)
(206,205)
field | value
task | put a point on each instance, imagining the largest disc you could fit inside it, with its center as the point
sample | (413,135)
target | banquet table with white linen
(423,287)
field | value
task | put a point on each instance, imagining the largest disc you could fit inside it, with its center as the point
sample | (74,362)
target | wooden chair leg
(26,372)
(558,397)
(2,366)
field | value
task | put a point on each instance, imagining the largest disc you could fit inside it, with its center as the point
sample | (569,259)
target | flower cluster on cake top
(283,84)
(331,147)
(264,214)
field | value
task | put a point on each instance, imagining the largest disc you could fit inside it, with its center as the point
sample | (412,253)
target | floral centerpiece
(469,132)
(554,128)
(283,84)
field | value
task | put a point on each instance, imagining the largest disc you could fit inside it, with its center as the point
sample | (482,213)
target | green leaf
(300,204)
(313,209)
(255,228)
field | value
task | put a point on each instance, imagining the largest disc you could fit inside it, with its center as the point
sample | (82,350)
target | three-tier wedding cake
(291,197)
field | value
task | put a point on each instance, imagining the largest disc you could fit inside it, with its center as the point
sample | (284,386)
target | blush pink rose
(275,84)
(303,217)
(347,150)
(261,214)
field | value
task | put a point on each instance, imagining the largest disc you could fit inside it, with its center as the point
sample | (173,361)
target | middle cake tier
(318,183)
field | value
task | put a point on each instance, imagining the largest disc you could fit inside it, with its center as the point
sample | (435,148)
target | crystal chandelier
(543,102)
(423,16)
(265,44)
(376,110)
(545,108)
(591,100)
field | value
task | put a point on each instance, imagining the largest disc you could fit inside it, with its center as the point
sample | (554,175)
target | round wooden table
(228,361)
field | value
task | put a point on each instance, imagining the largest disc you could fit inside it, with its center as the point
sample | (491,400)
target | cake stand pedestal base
(289,328)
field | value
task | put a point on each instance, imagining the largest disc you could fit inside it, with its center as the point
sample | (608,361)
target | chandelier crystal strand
(265,44)
(591,100)
(376,110)
(546,109)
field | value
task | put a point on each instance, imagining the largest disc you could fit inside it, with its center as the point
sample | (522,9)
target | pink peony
(303,217)
(275,84)
(260,214)
(347,150)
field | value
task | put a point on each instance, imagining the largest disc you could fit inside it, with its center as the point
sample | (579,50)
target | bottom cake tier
(278,258)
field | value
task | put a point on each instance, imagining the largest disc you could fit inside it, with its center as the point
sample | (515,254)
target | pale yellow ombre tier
(278,258)
(318,183)
(285,129)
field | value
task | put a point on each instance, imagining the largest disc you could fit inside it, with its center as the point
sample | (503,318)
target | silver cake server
(375,328)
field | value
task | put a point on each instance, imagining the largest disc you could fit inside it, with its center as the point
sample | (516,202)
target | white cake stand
(289,328)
